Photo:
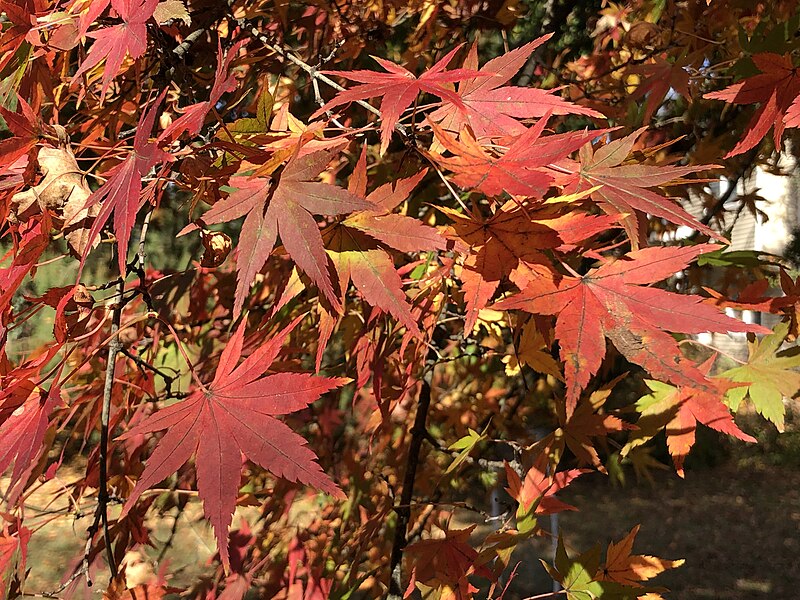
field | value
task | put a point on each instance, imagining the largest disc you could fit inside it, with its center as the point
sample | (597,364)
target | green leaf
(736,258)
(526,519)
(466,444)
(770,375)
(260,123)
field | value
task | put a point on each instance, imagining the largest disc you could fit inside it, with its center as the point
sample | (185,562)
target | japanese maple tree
(331,307)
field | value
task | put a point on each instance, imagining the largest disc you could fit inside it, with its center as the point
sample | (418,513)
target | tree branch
(102,496)
(403,511)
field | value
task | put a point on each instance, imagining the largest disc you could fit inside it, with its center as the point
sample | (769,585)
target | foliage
(405,273)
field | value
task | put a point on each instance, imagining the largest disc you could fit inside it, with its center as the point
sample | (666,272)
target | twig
(102,495)
(546,595)
(187,43)
(247,26)
(143,364)
(101,511)
(426,514)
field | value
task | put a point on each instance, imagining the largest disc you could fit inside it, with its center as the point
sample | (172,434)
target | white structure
(769,230)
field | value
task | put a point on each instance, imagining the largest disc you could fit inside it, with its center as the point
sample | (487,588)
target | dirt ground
(738,529)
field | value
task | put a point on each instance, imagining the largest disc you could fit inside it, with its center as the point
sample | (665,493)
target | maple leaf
(290,204)
(576,431)
(466,445)
(491,110)
(610,301)
(398,88)
(776,88)
(122,191)
(498,245)
(756,295)
(623,189)
(509,243)
(234,415)
(533,350)
(446,563)
(259,123)
(631,569)
(678,410)
(658,78)
(536,493)
(23,428)
(770,376)
(22,15)
(194,116)
(31,246)
(579,579)
(519,171)
(13,555)
(25,127)
(357,244)
(115,42)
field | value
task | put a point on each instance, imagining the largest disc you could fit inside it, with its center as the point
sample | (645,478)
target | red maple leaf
(22,16)
(115,42)
(658,78)
(623,188)
(498,244)
(285,208)
(398,88)
(492,110)
(25,418)
(234,415)
(539,486)
(447,563)
(193,116)
(519,171)
(33,242)
(610,301)
(678,410)
(25,127)
(776,88)
(13,553)
(122,191)
(509,243)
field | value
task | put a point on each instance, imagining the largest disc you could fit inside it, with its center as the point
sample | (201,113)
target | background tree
(343,262)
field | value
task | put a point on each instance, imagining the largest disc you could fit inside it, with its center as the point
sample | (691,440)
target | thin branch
(247,26)
(187,43)
(546,595)
(719,205)
(102,495)
(403,511)
(143,364)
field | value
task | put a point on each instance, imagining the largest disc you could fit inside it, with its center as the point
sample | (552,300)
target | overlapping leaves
(610,301)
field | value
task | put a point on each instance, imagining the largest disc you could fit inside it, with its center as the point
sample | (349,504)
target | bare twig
(188,42)
(403,510)
(143,364)
(247,26)
(102,495)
